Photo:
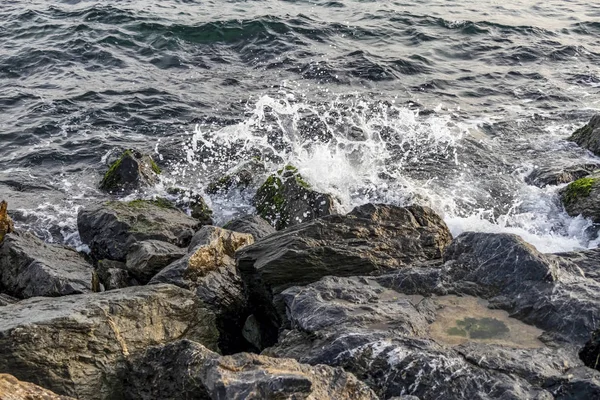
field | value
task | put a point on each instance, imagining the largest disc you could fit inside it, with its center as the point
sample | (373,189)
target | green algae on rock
(579,188)
(582,197)
(132,171)
(286,199)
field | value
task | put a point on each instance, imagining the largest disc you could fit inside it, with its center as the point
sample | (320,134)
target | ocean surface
(447,102)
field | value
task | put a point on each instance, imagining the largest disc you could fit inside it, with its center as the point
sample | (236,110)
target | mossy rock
(240,177)
(286,199)
(588,136)
(132,171)
(582,197)
(194,203)
(580,188)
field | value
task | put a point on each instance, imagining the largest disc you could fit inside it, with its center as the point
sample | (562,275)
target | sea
(448,103)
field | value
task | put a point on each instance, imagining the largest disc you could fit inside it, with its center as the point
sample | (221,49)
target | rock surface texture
(6,223)
(188,370)
(132,171)
(556,176)
(111,228)
(78,345)
(589,136)
(582,197)
(371,239)
(30,267)
(145,259)
(252,224)
(13,389)
(209,271)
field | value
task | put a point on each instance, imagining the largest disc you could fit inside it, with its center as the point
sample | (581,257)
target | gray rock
(371,239)
(114,275)
(590,353)
(13,389)
(132,171)
(78,345)
(6,299)
(556,176)
(240,177)
(285,199)
(588,136)
(582,197)
(187,370)
(252,224)
(252,332)
(194,204)
(209,270)
(145,259)
(406,345)
(111,228)
(29,267)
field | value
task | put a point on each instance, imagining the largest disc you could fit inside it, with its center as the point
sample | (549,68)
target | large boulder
(372,239)
(111,228)
(132,171)
(209,271)
(145,259)
(240,177)
(78,345)
(13,389)
(582,197)
(188,370)
(555,176)
(589,136)
(252,224)
(286,199)
(433,347)
(30,267)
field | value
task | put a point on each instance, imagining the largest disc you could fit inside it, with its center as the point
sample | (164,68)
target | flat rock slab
(188,370)
(372,239)
(13,389)
(111,228)
(77,345)
(30,267)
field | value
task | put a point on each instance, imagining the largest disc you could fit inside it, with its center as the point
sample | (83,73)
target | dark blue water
(448,102)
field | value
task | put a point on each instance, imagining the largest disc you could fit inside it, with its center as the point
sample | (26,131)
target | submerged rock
(209,270)
(582,197)
(13,389)
(285,199)
(252,224)
(132,171)
(30,267)
(145,259)
(78,345)
(193,203)
(6,223)
(111,228)
(588,136)
(371,239)
(556,176)
(185,369)
(239,177)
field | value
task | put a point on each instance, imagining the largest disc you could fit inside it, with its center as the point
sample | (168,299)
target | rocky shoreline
(298,301)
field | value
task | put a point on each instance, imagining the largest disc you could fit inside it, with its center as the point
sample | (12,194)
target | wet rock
(30,267)
(581,197)
(6,299)
(252,224)
(78,345)
(285,199)
(556,176)
(132,171)
(13,389)
(6,223)
(408,345)
(209,271)
(590,353)
(371,239)
(252,332)
(186,369)
(114,275)
(145,259)
(240,177)
(194,204)
(588,136)
(111,228)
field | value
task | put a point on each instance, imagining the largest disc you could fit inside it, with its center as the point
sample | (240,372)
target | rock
(240,177)
(209,270)
(371,239)
(189,370)
(29,267)
(111,228)
(555,176)
(132,171)
(194,204)
(588,136)
(590,353)
(252,332)
(78,345)
(581,197)
(445,347)
(6,223)
(6,299)
(252,224)
(13,389)
(285,199)
(114,275)
(145,259)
